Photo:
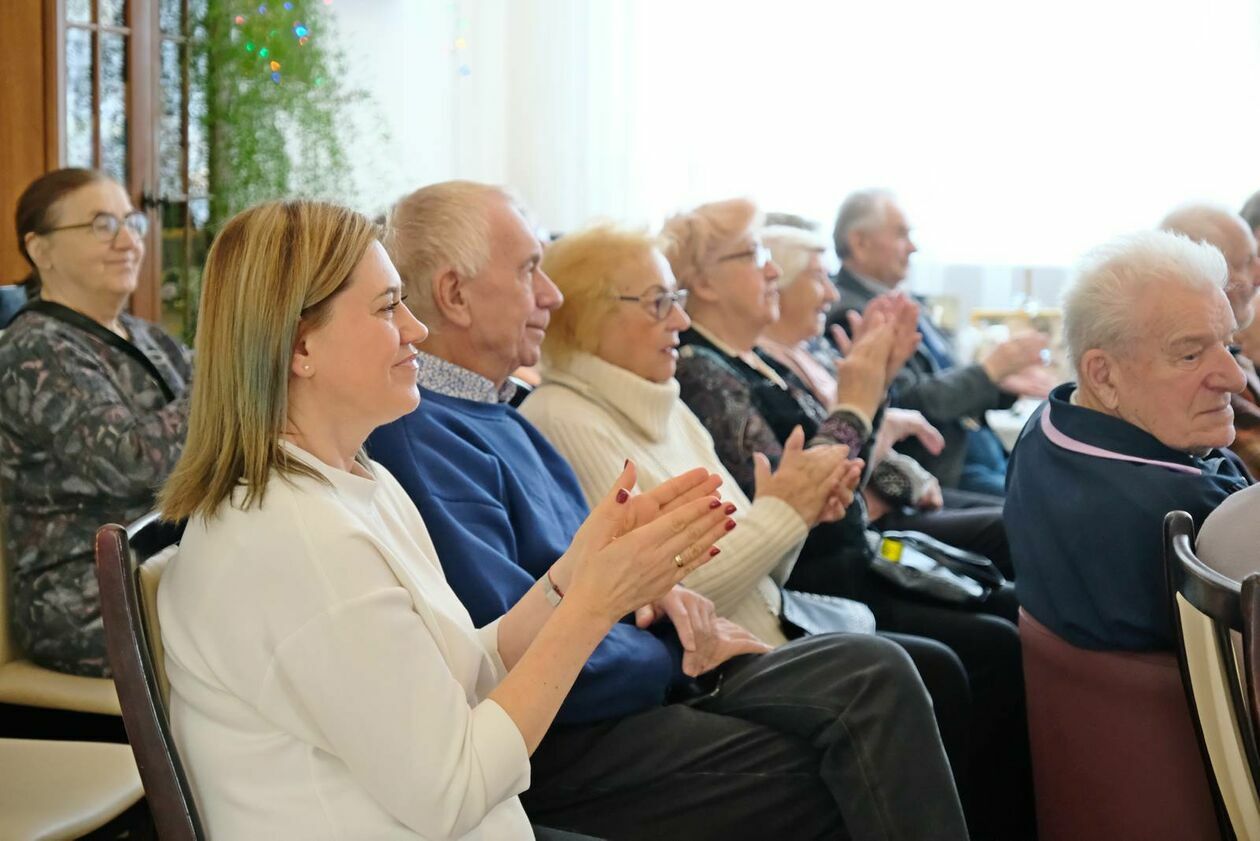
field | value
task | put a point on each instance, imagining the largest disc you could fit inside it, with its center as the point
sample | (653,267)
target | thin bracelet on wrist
(553,593)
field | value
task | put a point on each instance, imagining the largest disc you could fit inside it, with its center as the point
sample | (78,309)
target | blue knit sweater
(501,506)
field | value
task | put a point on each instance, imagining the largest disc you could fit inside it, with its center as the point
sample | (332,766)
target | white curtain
(1017,133)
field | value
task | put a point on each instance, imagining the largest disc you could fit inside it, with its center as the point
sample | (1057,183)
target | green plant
(278,113)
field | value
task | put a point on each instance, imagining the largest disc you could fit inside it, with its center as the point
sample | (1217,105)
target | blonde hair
(438,228)
(1098,308)
(273,267)
(791,248)
(585,267)
(694,240)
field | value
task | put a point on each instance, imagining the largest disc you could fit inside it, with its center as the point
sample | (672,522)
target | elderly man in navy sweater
(1142,432)
(794,743)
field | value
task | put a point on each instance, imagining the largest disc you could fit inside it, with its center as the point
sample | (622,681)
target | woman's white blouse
(326,683)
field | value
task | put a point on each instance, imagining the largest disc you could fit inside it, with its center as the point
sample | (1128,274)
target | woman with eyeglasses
(93,405)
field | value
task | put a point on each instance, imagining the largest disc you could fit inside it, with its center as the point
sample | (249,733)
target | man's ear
(450,298)
(1102,376)
(856,241)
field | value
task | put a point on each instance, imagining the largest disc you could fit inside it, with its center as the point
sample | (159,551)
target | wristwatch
(550,590)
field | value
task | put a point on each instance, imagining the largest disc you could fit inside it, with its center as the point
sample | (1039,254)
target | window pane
(170,141)
(114,105)
(79,98)
(196,10)
(198,139)
(79,11)
(184,245)
(171,16)
(112,12)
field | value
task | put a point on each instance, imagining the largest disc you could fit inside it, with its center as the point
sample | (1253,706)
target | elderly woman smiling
(94,403)
(900,493)
(326,682)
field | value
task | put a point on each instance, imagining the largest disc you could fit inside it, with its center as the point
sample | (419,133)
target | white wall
(1017,133)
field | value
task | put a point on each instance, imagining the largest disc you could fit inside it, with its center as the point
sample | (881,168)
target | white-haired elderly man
(1142,432)
(1230,234)
(872,238)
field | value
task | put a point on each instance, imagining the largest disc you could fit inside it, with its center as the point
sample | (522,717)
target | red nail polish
(730,524)
(623,495)
(730,508)
(714,552)
(714,503)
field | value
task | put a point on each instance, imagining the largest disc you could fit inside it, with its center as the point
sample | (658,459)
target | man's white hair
(439,227)
(860,211)
(1099,306)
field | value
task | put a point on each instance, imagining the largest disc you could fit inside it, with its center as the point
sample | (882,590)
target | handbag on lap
(926,567)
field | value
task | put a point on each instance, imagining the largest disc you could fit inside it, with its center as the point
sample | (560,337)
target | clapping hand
(810,480)
(633,548)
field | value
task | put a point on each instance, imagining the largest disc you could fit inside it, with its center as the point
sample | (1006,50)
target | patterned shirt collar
(451,380)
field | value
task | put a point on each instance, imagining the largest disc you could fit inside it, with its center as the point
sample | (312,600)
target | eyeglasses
(659,304)
(105,226)
(759,253)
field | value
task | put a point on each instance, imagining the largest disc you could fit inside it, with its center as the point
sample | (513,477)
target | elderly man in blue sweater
(1140,433)
(677,726)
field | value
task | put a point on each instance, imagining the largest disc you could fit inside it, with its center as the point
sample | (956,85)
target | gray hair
(438,228)
(1251,211)
(1098,306)
(1210,223)
(791,247)
(860,211)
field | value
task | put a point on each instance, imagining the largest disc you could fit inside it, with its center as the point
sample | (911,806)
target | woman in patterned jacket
(93,404)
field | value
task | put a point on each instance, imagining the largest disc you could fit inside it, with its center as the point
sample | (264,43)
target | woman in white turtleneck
(609,392)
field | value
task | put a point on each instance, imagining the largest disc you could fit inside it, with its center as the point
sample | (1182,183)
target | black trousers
(830,736)
(998,786)
(998,789)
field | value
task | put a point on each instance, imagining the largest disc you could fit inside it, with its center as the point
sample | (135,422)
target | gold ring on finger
(678,561)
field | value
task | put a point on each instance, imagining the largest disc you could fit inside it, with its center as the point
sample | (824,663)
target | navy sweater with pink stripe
(1086,495)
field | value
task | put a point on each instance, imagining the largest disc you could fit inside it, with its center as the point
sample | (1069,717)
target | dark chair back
(1207,612)
(133,641)
(1251,644)
(1113,746)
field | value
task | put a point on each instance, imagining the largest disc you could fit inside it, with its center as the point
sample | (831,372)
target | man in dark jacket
(1142,432)
(873,241)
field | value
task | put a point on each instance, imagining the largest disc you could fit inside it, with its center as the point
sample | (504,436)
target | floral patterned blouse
(88,432)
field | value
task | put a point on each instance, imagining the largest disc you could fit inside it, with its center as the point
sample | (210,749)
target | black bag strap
(77,319)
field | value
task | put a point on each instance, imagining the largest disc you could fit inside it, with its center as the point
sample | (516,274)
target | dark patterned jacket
(745,412)
(87,435)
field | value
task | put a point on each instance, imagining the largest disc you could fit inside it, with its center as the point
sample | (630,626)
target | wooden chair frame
(119,553)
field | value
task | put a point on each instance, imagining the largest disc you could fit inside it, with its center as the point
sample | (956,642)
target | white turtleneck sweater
(597,415)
